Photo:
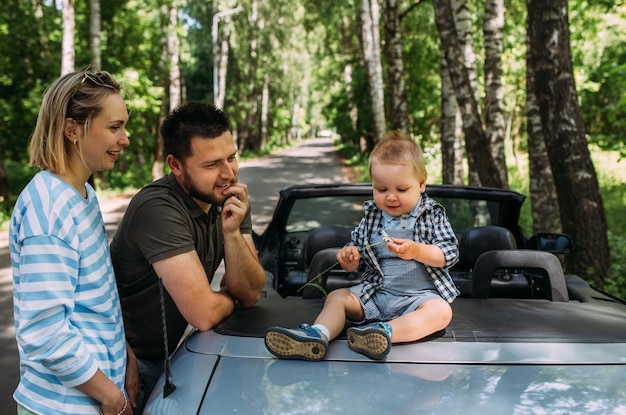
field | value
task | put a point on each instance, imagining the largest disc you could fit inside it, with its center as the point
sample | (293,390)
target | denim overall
(406,283)
(401,276)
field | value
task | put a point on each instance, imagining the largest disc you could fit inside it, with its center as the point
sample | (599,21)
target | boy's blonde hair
(76,95)
(398,147)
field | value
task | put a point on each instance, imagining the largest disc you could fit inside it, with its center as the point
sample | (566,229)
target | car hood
(217,374)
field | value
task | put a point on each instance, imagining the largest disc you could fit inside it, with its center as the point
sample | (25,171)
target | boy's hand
(403,248)
(349,257)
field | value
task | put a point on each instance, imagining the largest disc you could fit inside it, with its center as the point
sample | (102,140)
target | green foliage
(354,158)
(613,190)
(422,59)
(602,70)
(302,49)
(21,173)
(27,62)
(521,185)
(604,110)
(615,282)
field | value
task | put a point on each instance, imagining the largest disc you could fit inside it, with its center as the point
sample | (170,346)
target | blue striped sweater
(68,320)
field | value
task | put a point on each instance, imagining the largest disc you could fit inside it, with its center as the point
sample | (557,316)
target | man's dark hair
(193,119)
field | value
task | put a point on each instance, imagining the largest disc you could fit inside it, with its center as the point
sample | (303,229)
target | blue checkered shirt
(432,227)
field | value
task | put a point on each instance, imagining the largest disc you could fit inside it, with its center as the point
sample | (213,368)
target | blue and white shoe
(305,343)
(373,340)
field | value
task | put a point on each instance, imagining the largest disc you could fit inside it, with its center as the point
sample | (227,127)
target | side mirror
(556,243)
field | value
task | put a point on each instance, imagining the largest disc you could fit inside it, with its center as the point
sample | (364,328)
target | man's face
(210,170)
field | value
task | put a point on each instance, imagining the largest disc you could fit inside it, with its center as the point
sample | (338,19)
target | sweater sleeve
(44,301)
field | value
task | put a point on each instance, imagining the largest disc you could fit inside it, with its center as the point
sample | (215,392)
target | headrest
(325,237)
(476,241)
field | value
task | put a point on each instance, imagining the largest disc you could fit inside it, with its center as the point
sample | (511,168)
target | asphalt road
(312,161)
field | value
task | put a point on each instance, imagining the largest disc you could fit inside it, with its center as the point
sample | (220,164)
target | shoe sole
(369,341)
(287,345)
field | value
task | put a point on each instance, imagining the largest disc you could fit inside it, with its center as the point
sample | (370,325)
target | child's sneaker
(304,343)
(373,340)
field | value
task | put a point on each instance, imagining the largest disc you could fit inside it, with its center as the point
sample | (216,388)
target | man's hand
(235,207)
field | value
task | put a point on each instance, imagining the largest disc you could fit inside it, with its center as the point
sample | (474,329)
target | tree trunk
(96,65)
(294,131)
(451,129)
(347,75)
(543,197)
(69,23)
(223,63)
(249,133)
(464,30)
(173,48)
(396,82)
(494,116)
(95,35)
(265,104)
(580,203)
(370,39)
(476,142)
(158,166)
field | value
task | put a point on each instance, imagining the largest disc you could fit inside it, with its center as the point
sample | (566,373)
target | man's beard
(195,192)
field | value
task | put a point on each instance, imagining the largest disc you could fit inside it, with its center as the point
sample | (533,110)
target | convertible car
(526,337)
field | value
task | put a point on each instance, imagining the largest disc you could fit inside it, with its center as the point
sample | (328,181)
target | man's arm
(244,276)
(185,280)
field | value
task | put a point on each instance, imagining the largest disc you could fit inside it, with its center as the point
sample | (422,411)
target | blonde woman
(68,320)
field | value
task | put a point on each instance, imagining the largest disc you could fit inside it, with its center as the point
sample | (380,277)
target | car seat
(473,243)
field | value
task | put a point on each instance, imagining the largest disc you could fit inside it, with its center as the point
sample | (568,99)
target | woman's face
(106,136)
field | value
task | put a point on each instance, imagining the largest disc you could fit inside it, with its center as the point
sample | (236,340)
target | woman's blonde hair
(398,147)
(76,95)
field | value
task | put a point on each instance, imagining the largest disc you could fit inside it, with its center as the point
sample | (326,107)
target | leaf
(318,286)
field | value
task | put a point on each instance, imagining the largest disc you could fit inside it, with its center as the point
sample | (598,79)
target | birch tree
(396,82)
(494,116)
(543,196)
(95,35)
(159,151)
(346,51)
(69,24)
(222,59)
(250,128)
(173,49)
(580,204)
(476,142)
(451,128)
(368,16)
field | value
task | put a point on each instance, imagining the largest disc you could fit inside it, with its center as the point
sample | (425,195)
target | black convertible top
(598,320)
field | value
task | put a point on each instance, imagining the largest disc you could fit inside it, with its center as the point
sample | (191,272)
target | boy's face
(396,188)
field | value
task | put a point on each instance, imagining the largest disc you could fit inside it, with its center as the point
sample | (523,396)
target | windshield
(333,210)
(310,213)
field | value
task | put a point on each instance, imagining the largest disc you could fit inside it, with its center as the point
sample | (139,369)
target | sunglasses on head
(93,78)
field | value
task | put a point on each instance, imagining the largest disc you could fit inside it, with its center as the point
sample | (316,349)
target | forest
(520,94)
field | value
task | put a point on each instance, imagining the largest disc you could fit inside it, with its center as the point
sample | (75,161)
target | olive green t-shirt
(161,221)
